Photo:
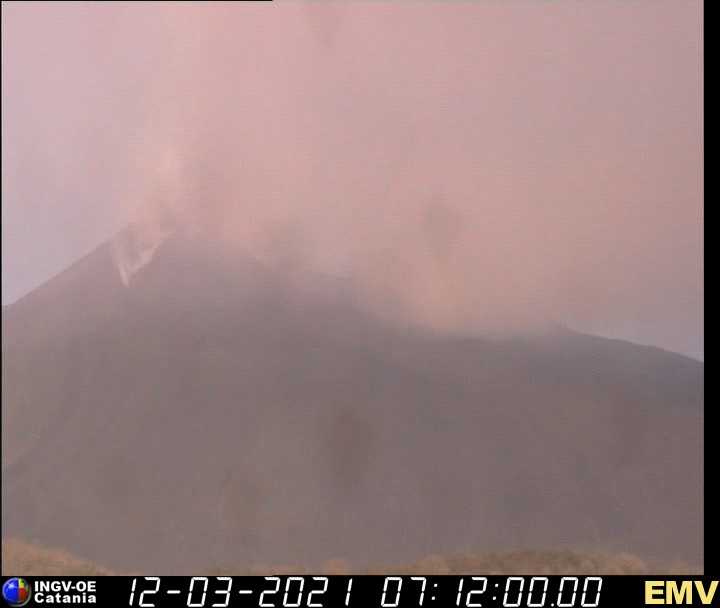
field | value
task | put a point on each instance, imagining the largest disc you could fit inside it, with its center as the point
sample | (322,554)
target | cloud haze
(471,165)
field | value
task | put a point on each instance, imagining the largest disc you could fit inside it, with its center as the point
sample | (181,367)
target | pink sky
(473,164)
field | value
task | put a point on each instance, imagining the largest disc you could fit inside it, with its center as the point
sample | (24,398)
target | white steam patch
(155,218)
(135,247)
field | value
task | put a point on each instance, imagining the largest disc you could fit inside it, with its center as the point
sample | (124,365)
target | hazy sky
(472,164)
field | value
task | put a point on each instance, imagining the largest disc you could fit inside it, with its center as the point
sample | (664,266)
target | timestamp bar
(411,591)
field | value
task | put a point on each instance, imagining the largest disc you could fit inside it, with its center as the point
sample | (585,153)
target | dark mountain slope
(210,414)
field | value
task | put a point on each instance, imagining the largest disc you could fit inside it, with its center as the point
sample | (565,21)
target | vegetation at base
(20,558)
(26,559)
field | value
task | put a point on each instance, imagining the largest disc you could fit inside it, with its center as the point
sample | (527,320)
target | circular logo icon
(16,591)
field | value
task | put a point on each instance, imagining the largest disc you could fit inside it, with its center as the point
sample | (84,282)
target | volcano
(171,408)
